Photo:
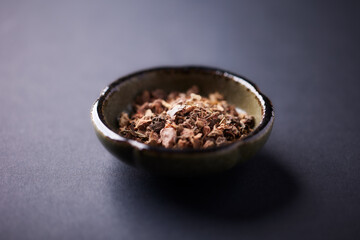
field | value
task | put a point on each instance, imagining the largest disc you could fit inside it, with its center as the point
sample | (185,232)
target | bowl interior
(119,96)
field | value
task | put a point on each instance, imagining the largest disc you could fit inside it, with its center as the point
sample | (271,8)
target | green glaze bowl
(118,96)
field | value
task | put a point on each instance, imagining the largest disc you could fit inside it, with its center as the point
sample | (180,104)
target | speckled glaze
(117,97)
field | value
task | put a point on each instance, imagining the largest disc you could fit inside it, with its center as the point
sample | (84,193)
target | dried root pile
(184,120)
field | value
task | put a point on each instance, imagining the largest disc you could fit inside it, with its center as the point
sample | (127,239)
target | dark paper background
(58,182)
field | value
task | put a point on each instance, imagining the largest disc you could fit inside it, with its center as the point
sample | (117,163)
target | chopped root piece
(168,137)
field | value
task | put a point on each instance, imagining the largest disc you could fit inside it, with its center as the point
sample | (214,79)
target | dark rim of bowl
(268,110)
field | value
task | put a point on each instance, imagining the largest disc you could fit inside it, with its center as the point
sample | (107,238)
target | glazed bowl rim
(100,124)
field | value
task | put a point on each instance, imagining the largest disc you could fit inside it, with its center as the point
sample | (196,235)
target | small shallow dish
(118,96)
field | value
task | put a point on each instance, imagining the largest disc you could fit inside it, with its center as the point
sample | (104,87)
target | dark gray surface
(58,182)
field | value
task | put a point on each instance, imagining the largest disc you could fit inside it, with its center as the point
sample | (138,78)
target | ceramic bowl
(117,97)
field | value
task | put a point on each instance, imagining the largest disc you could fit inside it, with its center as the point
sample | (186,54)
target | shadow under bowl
(119,95)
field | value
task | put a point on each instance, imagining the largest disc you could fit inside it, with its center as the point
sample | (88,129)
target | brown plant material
(184,120)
